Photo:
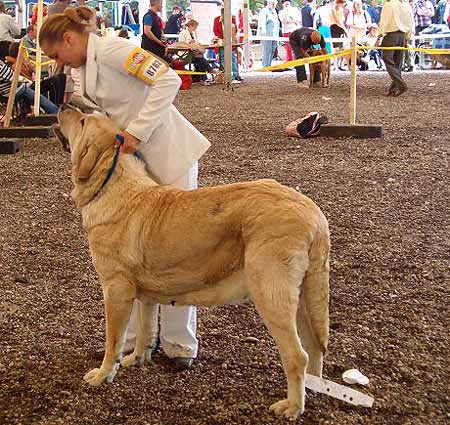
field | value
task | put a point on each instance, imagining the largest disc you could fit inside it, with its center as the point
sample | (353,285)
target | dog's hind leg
(312,314)
(118,298)
(276,296)
(145,334)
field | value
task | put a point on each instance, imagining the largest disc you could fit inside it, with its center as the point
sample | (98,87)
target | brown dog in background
(324,67)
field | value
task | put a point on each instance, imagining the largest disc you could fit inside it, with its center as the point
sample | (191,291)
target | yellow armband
(145,66)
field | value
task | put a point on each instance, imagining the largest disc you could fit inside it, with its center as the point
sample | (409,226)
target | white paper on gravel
(340,392)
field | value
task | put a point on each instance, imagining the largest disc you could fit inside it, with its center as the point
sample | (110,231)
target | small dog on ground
(324,67)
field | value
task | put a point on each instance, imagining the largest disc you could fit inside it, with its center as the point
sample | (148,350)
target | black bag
(308,126)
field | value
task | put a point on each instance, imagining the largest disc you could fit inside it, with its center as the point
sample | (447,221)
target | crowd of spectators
(332,19)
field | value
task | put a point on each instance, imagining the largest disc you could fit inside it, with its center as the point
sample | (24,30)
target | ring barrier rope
(346,40)
(304,61)
(327,39)
(315,59)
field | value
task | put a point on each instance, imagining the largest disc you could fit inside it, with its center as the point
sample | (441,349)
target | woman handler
(136,90)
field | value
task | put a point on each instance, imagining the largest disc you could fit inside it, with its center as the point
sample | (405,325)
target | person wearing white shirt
(291,19)
(136,89)
(358,21)
(322,22)
(268,25)
(8,26)
(396,27)
(447,13)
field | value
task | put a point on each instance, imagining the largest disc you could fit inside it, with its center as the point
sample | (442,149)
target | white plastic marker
(340,392)
(354,376)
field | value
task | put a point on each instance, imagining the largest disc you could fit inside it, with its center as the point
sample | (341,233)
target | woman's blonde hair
(77,19)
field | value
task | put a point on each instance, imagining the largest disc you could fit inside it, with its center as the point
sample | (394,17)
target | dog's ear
(87,160)
(85,153)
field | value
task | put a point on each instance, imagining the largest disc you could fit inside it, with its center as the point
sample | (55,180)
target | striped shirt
(6,76)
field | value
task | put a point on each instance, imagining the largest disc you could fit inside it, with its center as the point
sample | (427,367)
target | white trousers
(178,324)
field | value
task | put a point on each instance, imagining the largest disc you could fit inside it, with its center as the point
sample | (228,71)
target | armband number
(144,66)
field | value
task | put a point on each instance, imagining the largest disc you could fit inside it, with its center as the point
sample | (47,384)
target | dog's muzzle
(60,136)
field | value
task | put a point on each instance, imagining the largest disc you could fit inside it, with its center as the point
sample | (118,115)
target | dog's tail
(313,314)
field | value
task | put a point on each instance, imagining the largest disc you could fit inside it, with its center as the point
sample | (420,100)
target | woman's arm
(126,58)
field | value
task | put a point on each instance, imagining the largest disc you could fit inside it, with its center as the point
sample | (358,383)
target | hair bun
(80,15)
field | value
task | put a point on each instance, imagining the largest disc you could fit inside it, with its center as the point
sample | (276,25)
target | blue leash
(121,140)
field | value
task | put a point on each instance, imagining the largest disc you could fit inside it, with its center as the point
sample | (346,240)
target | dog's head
(90,139)
(86,136)
(315,52)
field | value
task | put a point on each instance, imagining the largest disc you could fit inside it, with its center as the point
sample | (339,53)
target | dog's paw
(132,360)
(284,408)
(97,376)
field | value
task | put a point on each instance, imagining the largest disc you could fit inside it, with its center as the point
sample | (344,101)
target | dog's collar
(121,140)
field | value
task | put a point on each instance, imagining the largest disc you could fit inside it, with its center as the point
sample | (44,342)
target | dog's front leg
(119,297)
(146,334)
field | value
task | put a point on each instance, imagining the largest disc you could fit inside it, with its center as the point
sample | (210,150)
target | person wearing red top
(218,32)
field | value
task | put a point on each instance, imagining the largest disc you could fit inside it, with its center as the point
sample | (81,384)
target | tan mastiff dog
(259,240)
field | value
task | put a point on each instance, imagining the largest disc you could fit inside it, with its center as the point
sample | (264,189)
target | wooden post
(246,38)
(37,74)
(227,40)
(353,83)
(13,90)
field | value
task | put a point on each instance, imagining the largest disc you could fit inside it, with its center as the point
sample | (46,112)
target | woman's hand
(130,143)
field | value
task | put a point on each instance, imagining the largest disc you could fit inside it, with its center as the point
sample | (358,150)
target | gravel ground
(387,202)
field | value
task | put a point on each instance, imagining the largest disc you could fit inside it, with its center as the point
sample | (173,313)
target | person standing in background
(268,26)
(152,34)
(58,6)
(290,18)
(358,21)
(374,11)
(396,27)
(218,32)
(423,11)
(175,21)
(322,22)
(446,18)
(107,18)
(308,14)
(8,25)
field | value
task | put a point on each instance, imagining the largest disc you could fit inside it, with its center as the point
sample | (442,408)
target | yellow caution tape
(30,49)
(416,49)
(181,72)
(304,61)
(42,63)
(315,59)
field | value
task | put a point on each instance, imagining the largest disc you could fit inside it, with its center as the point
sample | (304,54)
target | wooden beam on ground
(357,131)
(41,132)
(9,147)
(13,89)
(41,120)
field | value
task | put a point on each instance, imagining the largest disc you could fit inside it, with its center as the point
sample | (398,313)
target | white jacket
(170,144)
